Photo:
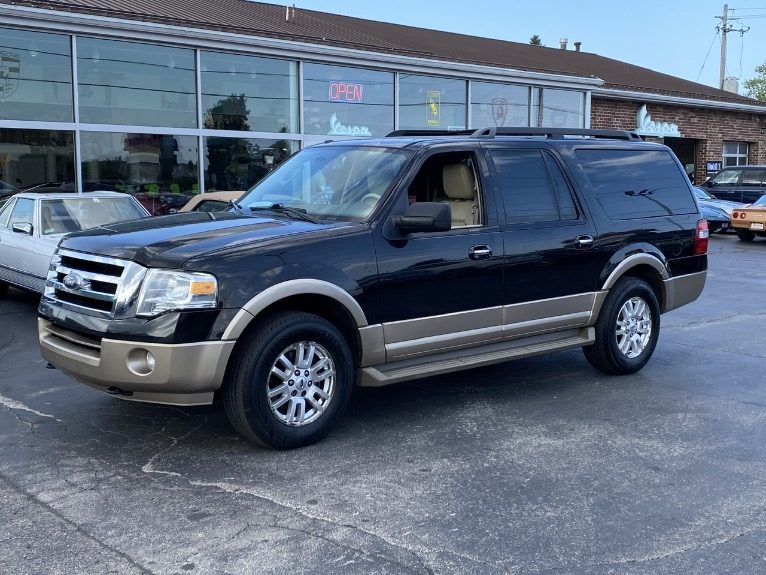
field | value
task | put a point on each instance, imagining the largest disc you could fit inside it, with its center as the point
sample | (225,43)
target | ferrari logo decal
(10,66)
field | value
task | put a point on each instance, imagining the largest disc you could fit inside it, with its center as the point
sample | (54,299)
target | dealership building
(175,97)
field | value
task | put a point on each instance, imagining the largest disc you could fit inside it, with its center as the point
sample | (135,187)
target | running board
(446,362)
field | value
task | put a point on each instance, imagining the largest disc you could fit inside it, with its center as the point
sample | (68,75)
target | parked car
(750,221)
(31,225)
(716,212)
(375,261)
(737,183)
(210,201)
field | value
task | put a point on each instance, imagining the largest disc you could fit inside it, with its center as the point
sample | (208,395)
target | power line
(707,55)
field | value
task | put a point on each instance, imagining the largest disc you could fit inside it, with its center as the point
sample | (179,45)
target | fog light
(141,361)
(150,361)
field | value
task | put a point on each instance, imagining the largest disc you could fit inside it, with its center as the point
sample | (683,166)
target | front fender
(287,289)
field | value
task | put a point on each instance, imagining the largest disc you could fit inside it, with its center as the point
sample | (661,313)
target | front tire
(290,381)
(627,328)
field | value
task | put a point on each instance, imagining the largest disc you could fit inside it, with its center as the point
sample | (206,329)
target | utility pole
(724,31)
(725,28)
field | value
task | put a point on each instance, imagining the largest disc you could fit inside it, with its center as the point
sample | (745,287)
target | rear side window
(533,187)
(754,178)
(637,183)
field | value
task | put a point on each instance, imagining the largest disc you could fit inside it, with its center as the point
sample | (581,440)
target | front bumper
(183,374)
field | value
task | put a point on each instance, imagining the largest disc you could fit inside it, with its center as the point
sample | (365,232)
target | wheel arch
(644,266)
(317,297)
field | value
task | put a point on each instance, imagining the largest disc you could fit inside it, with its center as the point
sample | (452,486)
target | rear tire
(290,382)
(627,328)
(745,235)
(3,290)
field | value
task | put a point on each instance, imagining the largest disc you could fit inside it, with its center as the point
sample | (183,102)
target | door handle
(480,252)
(583,241)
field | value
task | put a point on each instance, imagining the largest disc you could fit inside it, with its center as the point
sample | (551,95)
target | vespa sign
(645,126)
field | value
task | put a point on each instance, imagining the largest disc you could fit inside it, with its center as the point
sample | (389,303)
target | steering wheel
(370,199)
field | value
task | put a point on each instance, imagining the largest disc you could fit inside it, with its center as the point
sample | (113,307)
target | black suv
(375,261)
(738,184)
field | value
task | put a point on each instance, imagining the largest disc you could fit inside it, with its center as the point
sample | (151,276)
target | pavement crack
(74,526)
(12,404)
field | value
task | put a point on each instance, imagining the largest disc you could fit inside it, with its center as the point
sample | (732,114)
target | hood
(168,241)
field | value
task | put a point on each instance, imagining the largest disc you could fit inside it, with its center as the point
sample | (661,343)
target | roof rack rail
(422,133)
(555,133)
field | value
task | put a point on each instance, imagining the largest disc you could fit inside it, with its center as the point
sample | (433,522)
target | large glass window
(558,108)
(33,157)
(135,84)
(427,103)
(499,105)
(237,163)
(341,101)
(249,94)
(735,154)
(35,76)
(159,169)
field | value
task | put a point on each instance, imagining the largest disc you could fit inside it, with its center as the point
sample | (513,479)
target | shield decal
(499,110)
(10,67)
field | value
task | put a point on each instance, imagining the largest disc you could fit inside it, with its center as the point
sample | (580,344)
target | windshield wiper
(283,209)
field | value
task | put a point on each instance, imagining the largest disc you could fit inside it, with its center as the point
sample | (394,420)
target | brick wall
(708,126)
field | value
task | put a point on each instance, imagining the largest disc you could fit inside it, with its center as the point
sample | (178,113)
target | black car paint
(393,276)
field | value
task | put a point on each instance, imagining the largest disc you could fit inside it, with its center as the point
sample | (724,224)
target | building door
(686,151)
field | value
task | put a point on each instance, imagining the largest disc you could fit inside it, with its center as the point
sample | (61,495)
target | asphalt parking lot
(540,466)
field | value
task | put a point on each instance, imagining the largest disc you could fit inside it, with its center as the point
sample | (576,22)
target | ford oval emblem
(73,281)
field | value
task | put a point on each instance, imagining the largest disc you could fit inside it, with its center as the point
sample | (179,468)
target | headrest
(458,181)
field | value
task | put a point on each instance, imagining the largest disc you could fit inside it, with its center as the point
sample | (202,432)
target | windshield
(330,182)
(60,216)
(726,177)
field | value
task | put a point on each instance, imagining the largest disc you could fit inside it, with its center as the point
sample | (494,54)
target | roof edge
(150,32)
(678,100)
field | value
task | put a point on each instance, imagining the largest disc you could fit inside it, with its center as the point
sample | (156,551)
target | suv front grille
(93,284)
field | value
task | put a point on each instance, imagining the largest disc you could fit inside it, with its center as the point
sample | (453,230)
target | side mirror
(22,228)
(425,217)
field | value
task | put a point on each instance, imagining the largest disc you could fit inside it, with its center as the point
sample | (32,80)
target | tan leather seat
(460,188)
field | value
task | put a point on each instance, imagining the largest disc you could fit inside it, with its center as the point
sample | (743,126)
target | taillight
(701,238)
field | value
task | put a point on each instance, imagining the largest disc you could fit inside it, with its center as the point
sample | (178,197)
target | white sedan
(31,225)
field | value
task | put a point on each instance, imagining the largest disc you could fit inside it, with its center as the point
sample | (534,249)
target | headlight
(167,290)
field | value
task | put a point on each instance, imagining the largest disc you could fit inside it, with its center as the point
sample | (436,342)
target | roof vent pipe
(563,43)
(577,46)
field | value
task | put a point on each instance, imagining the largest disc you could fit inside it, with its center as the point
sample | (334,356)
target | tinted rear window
(533,187)
(637,183)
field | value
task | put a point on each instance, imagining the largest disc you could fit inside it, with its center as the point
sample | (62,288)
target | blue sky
(676,37)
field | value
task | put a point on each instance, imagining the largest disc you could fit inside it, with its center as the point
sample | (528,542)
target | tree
(756,87)
(536,41)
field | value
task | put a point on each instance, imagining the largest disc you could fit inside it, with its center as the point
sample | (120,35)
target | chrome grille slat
(97,285)
(87,275)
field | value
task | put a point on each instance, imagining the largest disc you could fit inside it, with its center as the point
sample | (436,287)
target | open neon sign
(346,92)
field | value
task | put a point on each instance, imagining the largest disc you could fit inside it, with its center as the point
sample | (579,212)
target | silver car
(31,225)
